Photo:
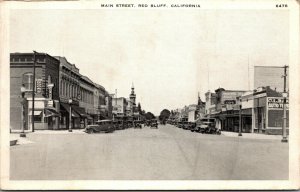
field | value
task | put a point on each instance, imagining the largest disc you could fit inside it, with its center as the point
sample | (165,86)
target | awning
(80,111)
(36,112)
(49,112)
(67,108)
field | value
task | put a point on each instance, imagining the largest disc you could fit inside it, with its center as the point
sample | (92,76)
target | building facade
(46,104)
(266,106)
(225,106)
(119,107)
(87,100)
(69,94)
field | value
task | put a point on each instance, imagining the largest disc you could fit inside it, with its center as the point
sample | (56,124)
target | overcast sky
(169,55)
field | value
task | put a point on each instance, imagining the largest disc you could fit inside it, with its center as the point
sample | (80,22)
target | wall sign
(277,103)
(229,102)
(39,85)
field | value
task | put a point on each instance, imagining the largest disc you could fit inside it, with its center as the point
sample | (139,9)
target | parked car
(122,124)
(154,124)
(180,124)
(116,125)
(185,124)
(207,125)
(137,124)
(148,123)
(106,126)
(191,126)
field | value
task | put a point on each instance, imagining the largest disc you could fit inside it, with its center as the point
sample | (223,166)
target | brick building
(46,111)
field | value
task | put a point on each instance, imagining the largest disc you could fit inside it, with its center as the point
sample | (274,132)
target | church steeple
(132,95)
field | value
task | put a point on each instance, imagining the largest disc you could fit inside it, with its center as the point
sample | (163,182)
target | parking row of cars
(109,126)
(203,125)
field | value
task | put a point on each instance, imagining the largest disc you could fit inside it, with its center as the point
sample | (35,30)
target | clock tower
(132,96)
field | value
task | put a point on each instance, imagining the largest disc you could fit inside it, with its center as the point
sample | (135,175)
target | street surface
(155,154)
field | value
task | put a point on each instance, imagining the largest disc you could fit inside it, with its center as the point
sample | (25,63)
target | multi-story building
(69,94)
(109,105)
(87,99)
(119,107)
(226,108)
(46,104)
(210,103)
(63,97)
(99,101)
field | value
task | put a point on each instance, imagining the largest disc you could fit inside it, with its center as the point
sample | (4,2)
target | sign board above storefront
(276,103)
(229,102)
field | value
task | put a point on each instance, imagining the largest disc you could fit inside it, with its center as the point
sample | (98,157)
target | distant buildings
(260,110)
(126,107)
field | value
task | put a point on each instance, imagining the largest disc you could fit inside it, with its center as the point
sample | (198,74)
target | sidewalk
(20,140)
(65,131)
(251,135)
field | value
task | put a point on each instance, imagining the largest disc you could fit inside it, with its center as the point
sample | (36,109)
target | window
(37,118)
(28,81)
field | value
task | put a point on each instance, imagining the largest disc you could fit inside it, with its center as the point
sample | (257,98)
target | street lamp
(240,121)
(23,91)
(70,115)
(240,116)
(284,135)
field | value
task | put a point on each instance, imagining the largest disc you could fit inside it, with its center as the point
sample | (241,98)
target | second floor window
(28,81)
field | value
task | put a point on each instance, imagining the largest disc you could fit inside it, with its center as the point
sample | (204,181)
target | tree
(164,114)
(149,116)
(139,108)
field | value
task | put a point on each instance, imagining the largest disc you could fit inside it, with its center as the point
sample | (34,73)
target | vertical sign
(39,85)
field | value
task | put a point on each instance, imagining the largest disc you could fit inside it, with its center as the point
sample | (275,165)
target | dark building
(46,110)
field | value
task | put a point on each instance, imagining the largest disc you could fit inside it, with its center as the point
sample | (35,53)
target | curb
(13,142)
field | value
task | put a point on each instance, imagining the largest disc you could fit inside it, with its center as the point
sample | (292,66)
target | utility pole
(284,94)
(240,117)
(33,90)
(23,101)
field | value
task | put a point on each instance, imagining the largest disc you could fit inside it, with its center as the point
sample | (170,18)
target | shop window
(28,81)
(37,118)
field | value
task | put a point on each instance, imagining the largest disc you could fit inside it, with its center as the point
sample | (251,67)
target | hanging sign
(39,85)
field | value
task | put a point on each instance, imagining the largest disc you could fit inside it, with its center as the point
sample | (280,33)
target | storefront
(46,114)
(268,112)
(78,118)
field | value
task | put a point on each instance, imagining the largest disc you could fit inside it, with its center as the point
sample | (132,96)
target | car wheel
(90,131)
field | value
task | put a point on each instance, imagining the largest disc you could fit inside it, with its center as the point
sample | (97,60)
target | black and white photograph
(150,95)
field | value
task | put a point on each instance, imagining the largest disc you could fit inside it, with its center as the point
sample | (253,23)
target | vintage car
(180,124)
(137,124)
(148,123)
(154,124)
(116,125)
(207,125)
(121,124)
(191,126)
(106,126)
(185,124)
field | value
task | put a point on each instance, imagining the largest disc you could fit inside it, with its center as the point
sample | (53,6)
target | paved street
(156,154)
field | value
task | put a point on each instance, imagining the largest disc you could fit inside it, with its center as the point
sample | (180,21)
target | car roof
(106,120)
